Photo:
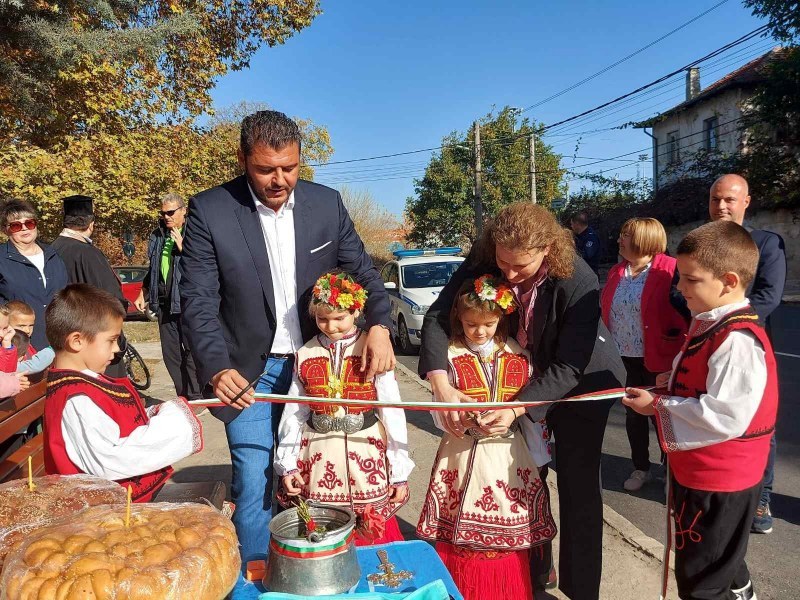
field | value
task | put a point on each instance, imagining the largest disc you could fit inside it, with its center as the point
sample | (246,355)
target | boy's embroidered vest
(512,369)
(315,369)
(119,400)
(739,463)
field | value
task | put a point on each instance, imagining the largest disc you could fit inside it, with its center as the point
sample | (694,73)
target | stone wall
(784,222)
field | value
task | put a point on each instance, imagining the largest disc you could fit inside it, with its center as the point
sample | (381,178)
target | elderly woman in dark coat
(30,271)
(558,320)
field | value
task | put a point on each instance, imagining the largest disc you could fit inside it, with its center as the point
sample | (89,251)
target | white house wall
(726,106)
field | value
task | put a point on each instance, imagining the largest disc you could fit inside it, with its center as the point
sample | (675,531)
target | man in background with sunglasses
(160,292)
(86,263)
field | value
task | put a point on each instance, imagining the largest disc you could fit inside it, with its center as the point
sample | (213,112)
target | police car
(414,280)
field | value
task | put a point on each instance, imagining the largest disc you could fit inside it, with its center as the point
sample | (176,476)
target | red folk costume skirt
(324,462)
(486,507)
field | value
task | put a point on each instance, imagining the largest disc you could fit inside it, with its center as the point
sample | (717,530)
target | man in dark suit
(86,263)
(587,242)
(573,354)
(728,201)
(253,249)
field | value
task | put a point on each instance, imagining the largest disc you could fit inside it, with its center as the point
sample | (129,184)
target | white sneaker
(745,593)
(637,479)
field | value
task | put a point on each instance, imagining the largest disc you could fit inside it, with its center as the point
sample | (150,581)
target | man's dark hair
(83,308)
(21,342)
(582,218)
(270,128)
(14,208)
(78,222)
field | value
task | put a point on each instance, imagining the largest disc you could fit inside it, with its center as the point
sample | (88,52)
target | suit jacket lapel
(541,309)
(302,241)
(253,236)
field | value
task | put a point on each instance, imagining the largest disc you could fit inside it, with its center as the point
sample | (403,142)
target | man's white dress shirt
(278,229)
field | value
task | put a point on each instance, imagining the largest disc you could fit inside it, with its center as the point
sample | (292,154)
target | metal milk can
(326,564)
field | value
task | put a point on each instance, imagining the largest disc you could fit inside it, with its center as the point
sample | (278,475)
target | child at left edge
(716,418)
(347,455)
(98,425)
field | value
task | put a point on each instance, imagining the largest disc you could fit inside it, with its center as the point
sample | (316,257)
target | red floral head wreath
(340,292)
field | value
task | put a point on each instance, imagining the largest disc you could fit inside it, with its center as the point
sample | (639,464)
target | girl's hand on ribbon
(452,420)
(292,483)
(398,493)
(497,422)
(639,400)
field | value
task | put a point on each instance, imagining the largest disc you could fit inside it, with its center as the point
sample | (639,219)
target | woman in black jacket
(558,320)
(30,271)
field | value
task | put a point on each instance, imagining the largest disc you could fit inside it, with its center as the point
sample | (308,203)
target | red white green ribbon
(315,551)
(610,394)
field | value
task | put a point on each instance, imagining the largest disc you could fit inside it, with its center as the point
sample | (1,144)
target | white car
(414,280)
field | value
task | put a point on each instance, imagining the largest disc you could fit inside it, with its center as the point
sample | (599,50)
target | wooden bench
(19,412)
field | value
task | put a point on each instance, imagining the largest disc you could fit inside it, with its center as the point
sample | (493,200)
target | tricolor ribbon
(610,394)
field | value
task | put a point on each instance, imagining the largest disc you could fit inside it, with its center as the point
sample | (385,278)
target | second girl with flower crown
(486,505)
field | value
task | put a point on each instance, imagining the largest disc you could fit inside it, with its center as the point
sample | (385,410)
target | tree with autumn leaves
(106,66)
(106,98)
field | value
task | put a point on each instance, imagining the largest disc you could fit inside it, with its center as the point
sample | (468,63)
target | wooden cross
(388,578)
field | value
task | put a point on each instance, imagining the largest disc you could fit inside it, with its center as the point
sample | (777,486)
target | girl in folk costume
(486,506)
(351,456)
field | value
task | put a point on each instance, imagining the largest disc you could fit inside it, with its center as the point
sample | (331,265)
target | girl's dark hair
(465,300)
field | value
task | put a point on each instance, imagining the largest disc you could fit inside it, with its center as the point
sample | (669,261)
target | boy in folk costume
(486,505)
(97,425)
(717,415)
(350,456)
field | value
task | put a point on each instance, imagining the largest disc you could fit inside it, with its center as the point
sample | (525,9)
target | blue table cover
(416,556)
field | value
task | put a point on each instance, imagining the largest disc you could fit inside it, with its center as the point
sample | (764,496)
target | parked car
(414,280)
(132,278)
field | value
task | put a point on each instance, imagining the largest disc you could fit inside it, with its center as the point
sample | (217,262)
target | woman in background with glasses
(30,271)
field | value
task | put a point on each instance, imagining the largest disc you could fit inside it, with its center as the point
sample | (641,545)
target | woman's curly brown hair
(523,226)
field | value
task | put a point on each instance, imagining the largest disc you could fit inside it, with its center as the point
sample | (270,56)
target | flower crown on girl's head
(340,292)
(494,290)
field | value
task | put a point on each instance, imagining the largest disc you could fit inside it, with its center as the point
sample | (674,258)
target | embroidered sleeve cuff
(194,422)
(666,434)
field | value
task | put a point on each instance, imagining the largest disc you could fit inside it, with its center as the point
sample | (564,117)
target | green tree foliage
(783,17)
(442,211)
(127,173)
(74,68)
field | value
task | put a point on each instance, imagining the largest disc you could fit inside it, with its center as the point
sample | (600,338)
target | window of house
(711,131)
(672,146)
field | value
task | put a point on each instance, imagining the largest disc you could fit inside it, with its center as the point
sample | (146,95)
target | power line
(622,60)
(640,89)
(694,63)
(570,170)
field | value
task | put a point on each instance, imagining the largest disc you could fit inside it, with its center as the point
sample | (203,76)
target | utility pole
(532,167)
(478,190)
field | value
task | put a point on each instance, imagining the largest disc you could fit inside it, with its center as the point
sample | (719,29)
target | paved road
(773,559)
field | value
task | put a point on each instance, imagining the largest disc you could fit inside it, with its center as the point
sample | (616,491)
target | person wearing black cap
(86,263)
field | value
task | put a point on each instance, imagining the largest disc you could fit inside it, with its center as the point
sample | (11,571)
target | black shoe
(546,582)
(745,593)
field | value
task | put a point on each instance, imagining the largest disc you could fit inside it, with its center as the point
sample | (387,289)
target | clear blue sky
(388,77)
